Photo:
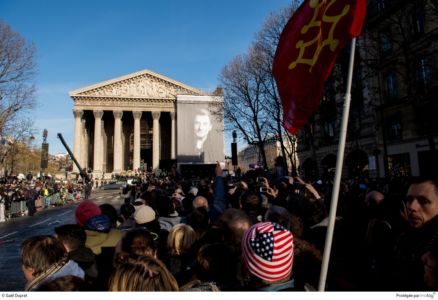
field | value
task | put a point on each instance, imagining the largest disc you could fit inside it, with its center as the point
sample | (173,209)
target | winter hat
(268,251)
(85,211)
(144,214)
(193,191)
(99,223)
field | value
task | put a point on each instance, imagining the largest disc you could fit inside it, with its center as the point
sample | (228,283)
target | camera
(263,189)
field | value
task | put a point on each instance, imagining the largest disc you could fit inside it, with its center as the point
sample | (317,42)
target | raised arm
(219,204)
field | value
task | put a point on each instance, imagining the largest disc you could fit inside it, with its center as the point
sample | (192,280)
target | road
(15,231)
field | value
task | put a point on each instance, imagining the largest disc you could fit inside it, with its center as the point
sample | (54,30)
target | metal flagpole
(339,165)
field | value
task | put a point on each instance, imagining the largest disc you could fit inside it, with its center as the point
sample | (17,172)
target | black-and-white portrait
(202,126)
(200,134)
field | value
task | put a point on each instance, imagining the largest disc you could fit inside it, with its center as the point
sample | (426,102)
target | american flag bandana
(268,251)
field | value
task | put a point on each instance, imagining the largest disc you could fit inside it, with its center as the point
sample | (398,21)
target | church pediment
(143,84)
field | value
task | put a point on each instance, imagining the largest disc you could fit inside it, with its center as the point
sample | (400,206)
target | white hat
(193,191)
(144,214)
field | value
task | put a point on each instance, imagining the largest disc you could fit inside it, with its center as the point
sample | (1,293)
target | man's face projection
(202,126)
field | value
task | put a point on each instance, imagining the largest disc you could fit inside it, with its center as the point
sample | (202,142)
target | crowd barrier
(16,209)
(53,200)
(2,212)
(19,208)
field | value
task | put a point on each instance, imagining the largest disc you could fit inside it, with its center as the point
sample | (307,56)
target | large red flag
(307,51)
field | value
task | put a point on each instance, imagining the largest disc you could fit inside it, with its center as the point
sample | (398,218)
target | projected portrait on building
(202,127)
(200,134)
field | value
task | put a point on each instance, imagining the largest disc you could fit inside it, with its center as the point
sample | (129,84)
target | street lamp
(234,150)
(44,153)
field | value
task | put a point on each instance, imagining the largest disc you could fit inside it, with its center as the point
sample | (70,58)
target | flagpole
(339,165)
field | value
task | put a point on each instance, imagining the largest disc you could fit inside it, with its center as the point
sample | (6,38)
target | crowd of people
(253,233)
(21,197)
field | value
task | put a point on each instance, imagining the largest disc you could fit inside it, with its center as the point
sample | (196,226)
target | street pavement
(13,232)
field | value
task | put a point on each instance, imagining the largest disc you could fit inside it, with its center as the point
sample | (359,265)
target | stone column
(156,140)
(97,154)
(137,117)
(84,146)
(104,145)
(123,150)
(117,141)
(172,136)
(77,137)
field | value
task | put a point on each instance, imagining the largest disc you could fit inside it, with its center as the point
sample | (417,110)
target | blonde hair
(181,237)
(142,273)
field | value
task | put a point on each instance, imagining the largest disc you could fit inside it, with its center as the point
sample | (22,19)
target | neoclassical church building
(140,120)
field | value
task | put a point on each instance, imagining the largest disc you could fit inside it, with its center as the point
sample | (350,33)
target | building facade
(392,126)
(130,123)
(250,157)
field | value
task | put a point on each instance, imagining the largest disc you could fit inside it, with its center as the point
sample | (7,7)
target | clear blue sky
(83,42)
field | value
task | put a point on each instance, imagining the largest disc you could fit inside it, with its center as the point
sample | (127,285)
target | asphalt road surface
(15,231)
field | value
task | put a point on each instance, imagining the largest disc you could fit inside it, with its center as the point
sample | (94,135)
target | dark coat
(408,267)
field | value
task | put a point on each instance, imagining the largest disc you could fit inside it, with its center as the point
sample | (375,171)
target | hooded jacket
(63,268)
(98,240)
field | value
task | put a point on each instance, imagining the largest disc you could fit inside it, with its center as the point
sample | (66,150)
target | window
(385,43)
(391,85)
(417,21)
(328,129)
(423,74)
(395,129)
(355,123)
(381,5)
(327,117)
(399,165)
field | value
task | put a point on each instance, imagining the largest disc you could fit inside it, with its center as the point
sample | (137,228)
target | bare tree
(251,103)
(266,43)
(13,154)
(17,71)
(242,80)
